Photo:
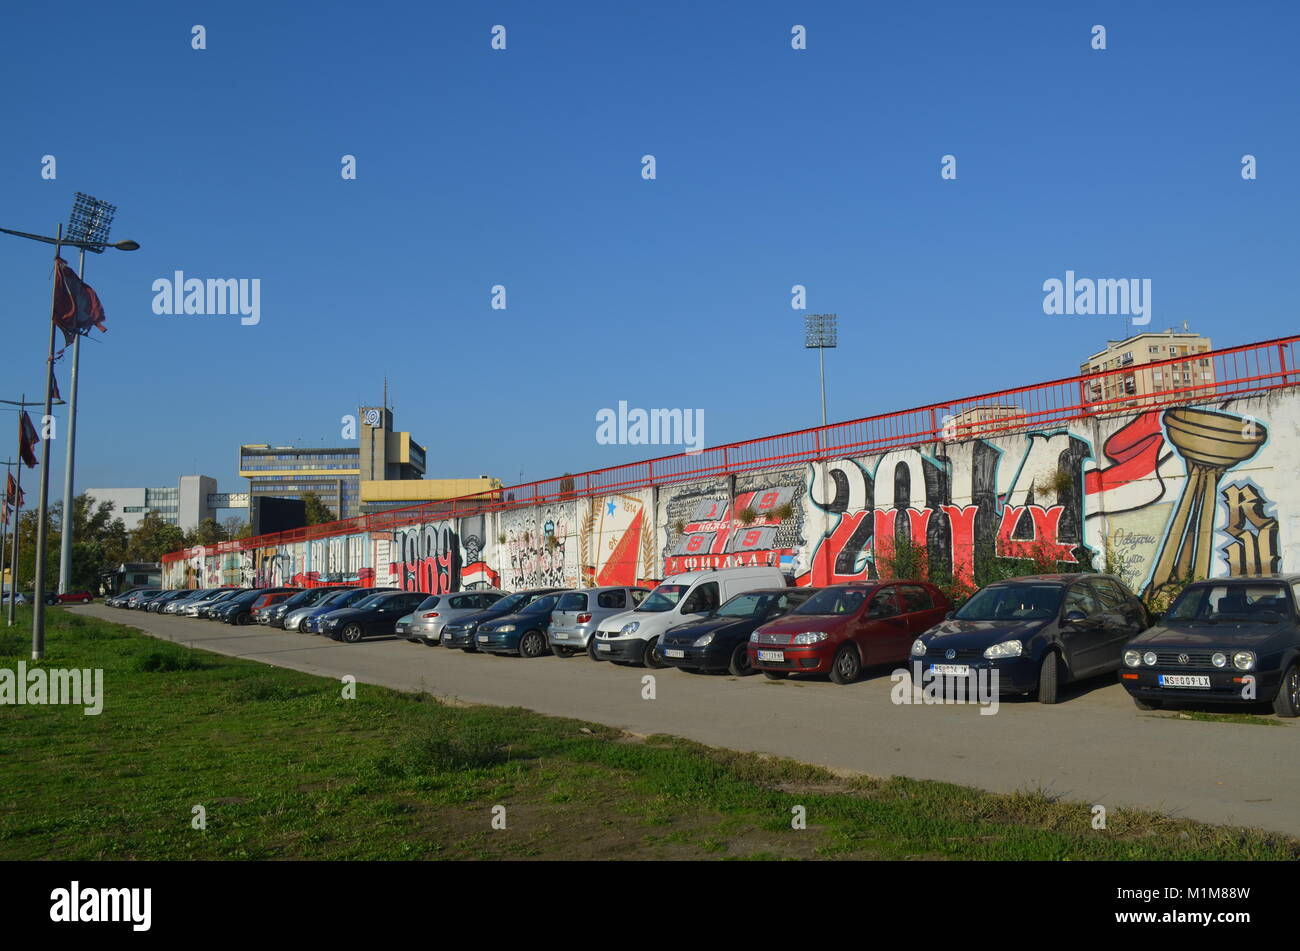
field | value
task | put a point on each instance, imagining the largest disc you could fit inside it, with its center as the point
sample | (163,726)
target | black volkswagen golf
(1035,633)
(1229,640)
(375,615)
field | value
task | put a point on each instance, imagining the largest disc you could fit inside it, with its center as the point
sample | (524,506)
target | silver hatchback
(424,625)
(578,614)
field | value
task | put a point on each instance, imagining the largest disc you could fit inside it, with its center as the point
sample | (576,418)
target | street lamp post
(84,216)
(820,334)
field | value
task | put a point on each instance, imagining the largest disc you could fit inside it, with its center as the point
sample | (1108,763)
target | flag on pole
(13,494)
(76,305)
(54,386)
(28,437)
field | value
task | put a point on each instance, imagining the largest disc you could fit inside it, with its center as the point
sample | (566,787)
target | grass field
(286,768)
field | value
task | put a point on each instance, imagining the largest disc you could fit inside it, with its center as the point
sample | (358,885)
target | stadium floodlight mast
(87,231)
(820,334)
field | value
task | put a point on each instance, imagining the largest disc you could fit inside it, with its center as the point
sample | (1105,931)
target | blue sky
(478,167)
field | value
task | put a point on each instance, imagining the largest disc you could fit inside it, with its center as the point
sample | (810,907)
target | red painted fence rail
(1249,370)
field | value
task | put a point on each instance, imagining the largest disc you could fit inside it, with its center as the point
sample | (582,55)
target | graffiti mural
(1156,496)
(704,527)
(538,549)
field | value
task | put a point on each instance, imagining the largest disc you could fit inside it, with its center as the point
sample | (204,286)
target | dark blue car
(721,640)
(521,632)
(463,631)
(1030,635)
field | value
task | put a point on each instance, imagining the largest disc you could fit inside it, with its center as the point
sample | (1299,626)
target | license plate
(775,656)
(668,652)
(950,670)
(1184,680)
(401,629)
(559,635)
(604,647)
(482,638)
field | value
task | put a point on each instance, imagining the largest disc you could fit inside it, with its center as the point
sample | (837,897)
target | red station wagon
(846,627)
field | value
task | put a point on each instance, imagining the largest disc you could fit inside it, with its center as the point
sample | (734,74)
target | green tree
(317,511)
(153,538)
(207,532)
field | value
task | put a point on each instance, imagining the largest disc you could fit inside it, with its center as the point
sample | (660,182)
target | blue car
(522,632)
(463,631)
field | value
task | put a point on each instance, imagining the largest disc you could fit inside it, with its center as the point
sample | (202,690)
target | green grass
(285,768)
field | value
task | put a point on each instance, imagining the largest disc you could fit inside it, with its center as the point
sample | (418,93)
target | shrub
(165,659)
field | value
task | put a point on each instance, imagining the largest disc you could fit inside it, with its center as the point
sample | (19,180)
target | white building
(184,505)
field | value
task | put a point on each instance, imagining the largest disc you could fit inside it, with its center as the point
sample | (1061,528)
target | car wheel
(776,674)
(591,648)
(561,651)
(532,644)
(350,634)
(1049,677)
(1147,704)
(740,665)
(846,667)
(243,619)
(1287,701)
(651,656)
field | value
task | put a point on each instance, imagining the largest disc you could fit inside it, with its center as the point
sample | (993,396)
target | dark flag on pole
(76,305)
(13,494)
(54,386)
(28,437)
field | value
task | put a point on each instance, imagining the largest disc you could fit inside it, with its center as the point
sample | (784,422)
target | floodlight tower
(821,334)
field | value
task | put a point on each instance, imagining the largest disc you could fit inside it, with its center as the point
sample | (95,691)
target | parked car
(369,617)
(1224,641)
(424,625)
(845,628)
(310,623)
(178,605)
(156,604)
(69,597)
(578,614)
(521,632)
(462,631)
(239,609)
(1038,632)
(201,607)
(274,614)
(17,597)
(633,636)
(138,597)
(296,617)
(119,600)
(720,640)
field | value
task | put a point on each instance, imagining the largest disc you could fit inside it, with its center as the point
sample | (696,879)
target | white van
(633,636)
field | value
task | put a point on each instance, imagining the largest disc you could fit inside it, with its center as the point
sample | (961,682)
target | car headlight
(1219,659)
(918,648)
(1005,649)
(1133,658)
(704,640)
(1243,660)
(1149,658)
(630,628)
(753,638)
(504,629)
(810,637)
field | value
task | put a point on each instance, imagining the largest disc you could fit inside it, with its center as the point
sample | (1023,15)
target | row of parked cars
(1230,640)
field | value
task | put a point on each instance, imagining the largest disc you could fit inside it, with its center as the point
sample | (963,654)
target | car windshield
(833,601)
(546,604)
(1013,602)
(427,603)
(664,597)
(509,604)
(371,601)
(1235,602)
(750,604)
(573,601)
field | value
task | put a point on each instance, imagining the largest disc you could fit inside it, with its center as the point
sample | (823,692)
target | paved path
(1095,747)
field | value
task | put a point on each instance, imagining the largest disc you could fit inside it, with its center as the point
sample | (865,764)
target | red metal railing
(1195,378)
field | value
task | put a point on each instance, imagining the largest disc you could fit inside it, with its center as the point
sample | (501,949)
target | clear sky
(522,167)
